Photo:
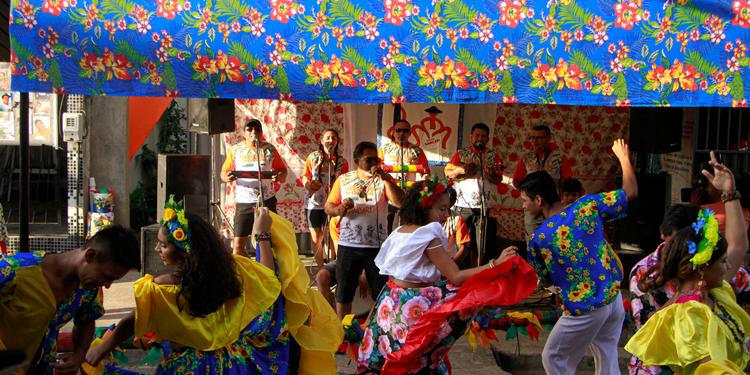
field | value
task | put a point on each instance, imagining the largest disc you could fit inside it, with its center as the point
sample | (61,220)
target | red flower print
(627,14)
(510,12)
(510,139)
(519,122)
(396,11)
(741,11)
(54,7)
(282,10)
(304,139)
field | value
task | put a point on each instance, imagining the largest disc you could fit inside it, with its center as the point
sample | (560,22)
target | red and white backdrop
(294,128)
(583,134)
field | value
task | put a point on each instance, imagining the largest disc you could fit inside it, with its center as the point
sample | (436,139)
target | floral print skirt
(396,309)
(262,348)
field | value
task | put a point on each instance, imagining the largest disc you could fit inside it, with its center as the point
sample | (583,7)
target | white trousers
(598,330)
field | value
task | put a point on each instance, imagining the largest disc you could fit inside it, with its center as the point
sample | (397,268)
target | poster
(40,130)
(434,128)
(7,127)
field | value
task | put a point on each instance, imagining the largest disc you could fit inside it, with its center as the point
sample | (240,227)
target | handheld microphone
(479,146)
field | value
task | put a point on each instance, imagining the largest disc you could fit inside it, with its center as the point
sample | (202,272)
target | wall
(106,150)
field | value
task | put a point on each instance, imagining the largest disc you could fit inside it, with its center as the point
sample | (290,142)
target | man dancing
(245,156)
(570,253)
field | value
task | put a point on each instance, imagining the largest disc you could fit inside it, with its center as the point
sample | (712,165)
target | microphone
(214,203)
(479,146)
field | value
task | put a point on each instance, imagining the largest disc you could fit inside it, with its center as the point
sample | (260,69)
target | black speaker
(641,227)
(656,130)
(150,260)
(211,116)
(188,177)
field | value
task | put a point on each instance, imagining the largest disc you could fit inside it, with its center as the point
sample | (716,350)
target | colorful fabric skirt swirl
(411,330)
(263,348)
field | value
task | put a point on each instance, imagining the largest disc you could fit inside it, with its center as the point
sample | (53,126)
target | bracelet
(727,197)
(262,236)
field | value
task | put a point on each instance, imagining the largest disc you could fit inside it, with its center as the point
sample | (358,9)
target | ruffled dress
(411,330)
(691,338)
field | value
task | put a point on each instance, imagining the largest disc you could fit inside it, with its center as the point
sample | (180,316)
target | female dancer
(415,258)
(702,329)
(218,314)
(321,169)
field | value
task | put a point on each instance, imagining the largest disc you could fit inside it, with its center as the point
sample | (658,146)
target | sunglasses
(401,130)
(372,160)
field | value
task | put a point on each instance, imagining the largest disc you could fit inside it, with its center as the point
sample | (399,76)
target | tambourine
(404,168)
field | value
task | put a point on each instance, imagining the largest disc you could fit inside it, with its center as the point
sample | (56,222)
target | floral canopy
(606,52)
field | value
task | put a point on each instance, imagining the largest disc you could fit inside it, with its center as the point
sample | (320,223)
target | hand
(378,172)
(364,287)
(620,148)
(275,177)
(508,253)
(263,220)
(314,186)
(231,177)
(67,363)
(722,178)
(95,355)
(345,206)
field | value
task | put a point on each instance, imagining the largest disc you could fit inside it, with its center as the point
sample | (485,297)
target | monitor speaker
(211,116)
(188,177)
(656,130)
(641,227)
(150,260)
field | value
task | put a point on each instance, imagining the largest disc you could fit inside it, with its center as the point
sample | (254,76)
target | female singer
(321,169)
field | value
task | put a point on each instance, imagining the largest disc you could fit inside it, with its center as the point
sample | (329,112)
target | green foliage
(143,197)
(172,136)
(117,8)
(701,65)
(54,73)
(344,12)
(243,54)
(19,48)
(124,48)
(736,87)
(353,56)
(472,63)
(583,62)
(282,81)
(458,12)
(573,15)
(232,9)
(691,16)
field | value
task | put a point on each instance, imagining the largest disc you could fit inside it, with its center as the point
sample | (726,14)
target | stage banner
(583,134)
(569,52)
(294,129)
(436,129)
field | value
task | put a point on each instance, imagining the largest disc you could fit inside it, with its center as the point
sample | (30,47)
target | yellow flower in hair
(181,218)
(179,234)
(169,214)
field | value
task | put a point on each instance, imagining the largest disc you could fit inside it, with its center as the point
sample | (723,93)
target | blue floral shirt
(569,250)
(82,306)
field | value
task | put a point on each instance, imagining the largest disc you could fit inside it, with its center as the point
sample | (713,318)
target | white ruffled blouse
(403,257)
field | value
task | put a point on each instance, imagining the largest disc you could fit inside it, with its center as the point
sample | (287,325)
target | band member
(475,169)
(360,198)
(321,169)
(244,157)
(400,152)
(541,158)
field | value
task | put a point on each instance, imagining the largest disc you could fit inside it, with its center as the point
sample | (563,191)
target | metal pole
(23,186)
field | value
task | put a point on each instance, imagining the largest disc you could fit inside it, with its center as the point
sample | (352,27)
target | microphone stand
(482,228)
(260,181)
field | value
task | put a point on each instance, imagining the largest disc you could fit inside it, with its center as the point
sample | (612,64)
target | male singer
(541,158)
(402,152)
(476,169)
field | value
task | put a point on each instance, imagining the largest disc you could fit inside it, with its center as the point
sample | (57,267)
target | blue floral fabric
(611,52)
(570,251)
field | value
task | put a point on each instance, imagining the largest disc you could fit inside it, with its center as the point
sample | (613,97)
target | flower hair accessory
(707,228)
(174,219)
(432,190)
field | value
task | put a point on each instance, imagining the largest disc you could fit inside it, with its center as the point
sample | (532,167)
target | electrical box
(72,124)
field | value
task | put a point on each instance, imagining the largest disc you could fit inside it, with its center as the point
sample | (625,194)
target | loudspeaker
(188,177)
(211,116)
(641,226)
(150,260)
(656,130)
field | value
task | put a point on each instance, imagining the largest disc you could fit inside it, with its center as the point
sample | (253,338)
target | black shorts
(350,261)
(316,218)
(244,217)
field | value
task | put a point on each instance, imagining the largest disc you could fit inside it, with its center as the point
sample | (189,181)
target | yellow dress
(684,334)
